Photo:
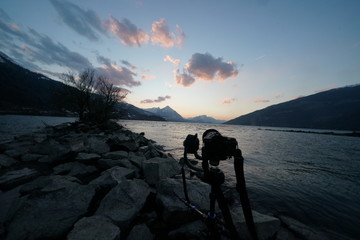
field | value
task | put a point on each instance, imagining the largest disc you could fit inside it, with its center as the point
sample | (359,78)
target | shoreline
(90,150)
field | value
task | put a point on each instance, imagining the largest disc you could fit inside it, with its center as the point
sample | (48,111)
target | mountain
(25,92)
(204,119)
(128,111)
(337,109)
(167,113)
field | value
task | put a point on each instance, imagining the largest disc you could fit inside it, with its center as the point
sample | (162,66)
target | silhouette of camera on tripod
(216,148)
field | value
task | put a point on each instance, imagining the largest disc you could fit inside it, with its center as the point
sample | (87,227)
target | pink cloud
(162,36)
(127,32)
(158,100)
(14,26)
(119,76)
(147,77)
(172,60)
(183,79)
(228,101)
(208,68)
(260,100)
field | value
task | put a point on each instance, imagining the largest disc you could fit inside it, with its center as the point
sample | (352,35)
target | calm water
(310,177)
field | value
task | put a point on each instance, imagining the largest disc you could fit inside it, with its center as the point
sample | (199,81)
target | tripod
(215,177)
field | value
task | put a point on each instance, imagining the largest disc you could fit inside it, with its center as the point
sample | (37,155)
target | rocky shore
(86,181)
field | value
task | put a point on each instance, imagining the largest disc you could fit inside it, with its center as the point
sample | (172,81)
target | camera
(217,147)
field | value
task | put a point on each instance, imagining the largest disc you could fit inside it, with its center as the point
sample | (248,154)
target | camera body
(217,147)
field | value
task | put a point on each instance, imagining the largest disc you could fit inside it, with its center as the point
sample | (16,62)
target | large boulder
(49,215)
(123,203)
(6,161)
(15,178)
(96,144)
(50,183)
(94,228)
(192,230)
(305,232)
(112,177)
(87,158)
(75,169)
(266,226)
(156,169)
(116,155)
(140,232)
(174,212)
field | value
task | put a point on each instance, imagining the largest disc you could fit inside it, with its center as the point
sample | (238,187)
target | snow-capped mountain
(167,112)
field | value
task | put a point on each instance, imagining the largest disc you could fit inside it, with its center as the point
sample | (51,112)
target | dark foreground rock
(83,181)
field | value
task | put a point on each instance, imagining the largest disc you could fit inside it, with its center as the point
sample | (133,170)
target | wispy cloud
(184,79)
(147,77)
(172,60)
(85,22)
(126,63)
(158,100)
(161,34)
(228,101)
(127,32)
(260,100)
(119,76)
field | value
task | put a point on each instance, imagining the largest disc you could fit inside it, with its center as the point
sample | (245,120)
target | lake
(313,178)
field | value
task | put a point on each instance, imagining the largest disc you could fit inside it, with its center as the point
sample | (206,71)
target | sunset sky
(217,58)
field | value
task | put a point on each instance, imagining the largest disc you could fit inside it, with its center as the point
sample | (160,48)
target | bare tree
(93,97)
(107,95)
(83,88)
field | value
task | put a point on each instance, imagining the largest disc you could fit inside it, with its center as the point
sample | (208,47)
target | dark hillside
(23,90)
(333,109)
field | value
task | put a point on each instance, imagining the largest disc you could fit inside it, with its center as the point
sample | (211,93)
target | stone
(94,228)
(122,142)
(158,168)
(97,144)
(31,157)
(108,163)
(87,158)
(50,215)
(49,184)
(75,169)
(140,232)
(124,202)
(300,229)
(16,152)
(116,155)
(113,176)
(192,230)
(266,226)
(6,161)
(15,178)
(173,211)
(136,160)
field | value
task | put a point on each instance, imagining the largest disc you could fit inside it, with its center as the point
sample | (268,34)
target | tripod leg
(225,211)
(241,188)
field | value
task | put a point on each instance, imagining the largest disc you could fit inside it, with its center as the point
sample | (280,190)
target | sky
(222,59)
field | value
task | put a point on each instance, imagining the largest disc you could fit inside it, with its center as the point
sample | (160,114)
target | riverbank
(79,180)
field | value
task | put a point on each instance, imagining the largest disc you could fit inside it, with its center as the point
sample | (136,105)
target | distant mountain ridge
(204,119)
(167,113)
(337,109)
